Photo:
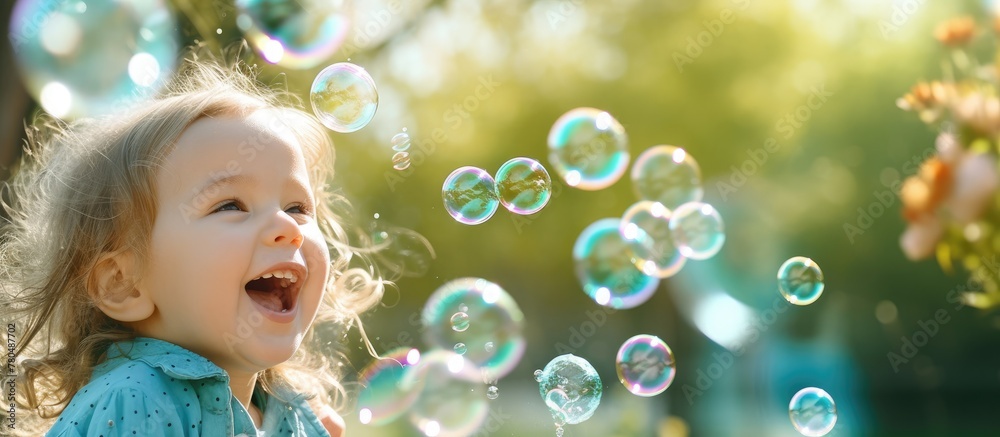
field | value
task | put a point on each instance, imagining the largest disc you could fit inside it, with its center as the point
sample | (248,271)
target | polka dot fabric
(152,387)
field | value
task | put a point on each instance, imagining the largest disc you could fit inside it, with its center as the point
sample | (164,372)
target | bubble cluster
(668,175)
(813,412)
(604,266)
(646,226)
(800,280)
(570,388)
(469,195)
(588,148)
(493,317)
(344,97)
(294,34)
(73,56)
(697,230)
(645,365)
(523,186)
(449,401)
(383,398)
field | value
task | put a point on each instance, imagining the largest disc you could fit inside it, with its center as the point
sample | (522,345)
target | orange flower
(924,96)
(954,186)
(956,32)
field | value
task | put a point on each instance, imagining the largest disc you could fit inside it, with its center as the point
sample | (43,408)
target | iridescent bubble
(697,230)
(523,186)
(383,398)
(646,225)
(344,97)
(401,142)
(605,268)
(294,33)
(668,175)
(401,161)
(492,392)
(494,315)
(84,59)
(450,401)
(645,365)
(470,195)
(538,375)
(459,322)
(460,348)
(813,412)
(800,280)
(571,388)
(489,346)
(401,250)
(588,148)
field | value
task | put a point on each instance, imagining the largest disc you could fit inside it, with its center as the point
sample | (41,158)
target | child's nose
(284,230)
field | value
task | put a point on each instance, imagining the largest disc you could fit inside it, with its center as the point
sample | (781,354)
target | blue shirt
(150,387)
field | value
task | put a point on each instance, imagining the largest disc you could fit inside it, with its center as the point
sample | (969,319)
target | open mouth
(275,291)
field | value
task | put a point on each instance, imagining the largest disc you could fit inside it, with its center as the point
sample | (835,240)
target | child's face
(235,203)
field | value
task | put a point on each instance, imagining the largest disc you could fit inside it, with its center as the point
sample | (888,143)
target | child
(166,268)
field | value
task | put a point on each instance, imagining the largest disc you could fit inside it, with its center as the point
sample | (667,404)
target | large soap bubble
(294,33)
(588,149)
(83,59)
(449,403)
(486,314)
(606,269)
(570,388)
(383,397)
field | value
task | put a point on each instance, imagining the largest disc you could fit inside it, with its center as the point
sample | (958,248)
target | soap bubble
(401,161)
(800,280)
(588,149)
(401,142)
(344,97)
(645,365)
(493,317)
(459,322)
(697,230)
(571,388)
(489,346)
(383,398)
(538,375)
(294,33)
(668,175)
(813,412)
(85,59)
(646,225)
(605,268)
(492,392)
(460,348)
(470,195)
(449,400)
(523,186)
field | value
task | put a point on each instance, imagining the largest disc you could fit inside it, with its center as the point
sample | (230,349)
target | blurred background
(788,107)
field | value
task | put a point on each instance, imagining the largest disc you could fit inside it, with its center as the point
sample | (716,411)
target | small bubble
(463,307)
(460,321)
(489,346)
(460,348)
(401,161)
(218,31)
(538,375)
(492,392)
(559,431)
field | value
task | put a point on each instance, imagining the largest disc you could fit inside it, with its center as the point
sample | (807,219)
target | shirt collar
(175,361)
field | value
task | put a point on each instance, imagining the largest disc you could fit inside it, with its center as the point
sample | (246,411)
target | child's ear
(114,289)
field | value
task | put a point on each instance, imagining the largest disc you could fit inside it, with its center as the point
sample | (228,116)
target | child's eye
(230,205)
(299,209)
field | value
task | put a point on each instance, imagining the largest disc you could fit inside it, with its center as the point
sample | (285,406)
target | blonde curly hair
(87,188)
